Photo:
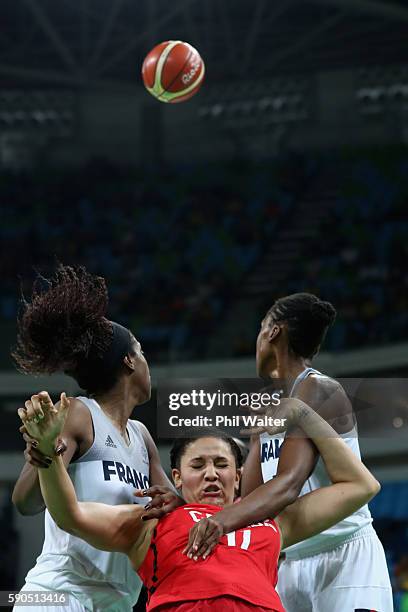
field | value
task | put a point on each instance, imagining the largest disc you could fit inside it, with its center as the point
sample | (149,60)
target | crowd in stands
(176,245)
(359,260)
(172,245)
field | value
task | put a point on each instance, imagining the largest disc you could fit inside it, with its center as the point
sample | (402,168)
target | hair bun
(324,312)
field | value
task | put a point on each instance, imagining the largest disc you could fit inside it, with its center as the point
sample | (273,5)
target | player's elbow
(373,487)
(24,507)
(367,489)
(69,521)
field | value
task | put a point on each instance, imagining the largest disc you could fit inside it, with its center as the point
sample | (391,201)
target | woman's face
(141,373)
(208,473)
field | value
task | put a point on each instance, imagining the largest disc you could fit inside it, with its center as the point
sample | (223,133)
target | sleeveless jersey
(244,563)
(328,539)
(108,472)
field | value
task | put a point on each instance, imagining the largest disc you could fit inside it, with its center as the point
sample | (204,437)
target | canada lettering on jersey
(198,515)
(125,474)
(271,449)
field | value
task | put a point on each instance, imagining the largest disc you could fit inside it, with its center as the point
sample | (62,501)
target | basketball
(173,71)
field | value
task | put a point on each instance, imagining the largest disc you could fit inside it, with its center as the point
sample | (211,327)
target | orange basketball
(173,71)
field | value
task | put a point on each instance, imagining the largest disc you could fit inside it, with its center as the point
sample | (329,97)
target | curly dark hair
(64,328)
(180,445)
(308,319)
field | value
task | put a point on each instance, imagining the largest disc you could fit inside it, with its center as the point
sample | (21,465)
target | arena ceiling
(103,42)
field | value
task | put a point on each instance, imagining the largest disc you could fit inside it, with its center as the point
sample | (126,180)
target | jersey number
(246,539)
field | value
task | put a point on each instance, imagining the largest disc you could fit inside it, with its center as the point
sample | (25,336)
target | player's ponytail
(64,328)
(307,319)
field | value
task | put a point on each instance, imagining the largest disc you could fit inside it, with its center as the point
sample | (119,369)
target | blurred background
(287,172)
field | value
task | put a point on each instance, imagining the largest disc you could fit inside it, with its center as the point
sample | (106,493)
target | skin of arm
(252,474)
(26,495)
(296,461)
(298,457)
(353,485)
(112,528)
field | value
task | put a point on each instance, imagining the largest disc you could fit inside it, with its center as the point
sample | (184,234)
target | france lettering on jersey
(244,564)
(108,472)
(270,449)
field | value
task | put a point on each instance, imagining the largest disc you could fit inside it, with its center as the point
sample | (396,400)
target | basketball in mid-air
(173,71)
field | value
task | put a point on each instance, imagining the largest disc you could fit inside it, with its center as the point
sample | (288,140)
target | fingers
(35,458)
(46,401)
(203,538)
(33,409)
(60,447)
(157,513)
(191,538)
(27,438)
(152,491)
(163,500)
(22,413)
(195,539)
(64,402)
(207,544)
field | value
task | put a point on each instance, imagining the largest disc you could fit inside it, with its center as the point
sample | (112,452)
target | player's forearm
(265,502)
(59,495)
(341,463)
(27,496)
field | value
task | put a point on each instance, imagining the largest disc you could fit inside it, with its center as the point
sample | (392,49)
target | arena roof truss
(103,42)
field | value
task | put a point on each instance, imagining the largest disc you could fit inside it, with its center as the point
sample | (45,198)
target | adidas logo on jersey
(110,442)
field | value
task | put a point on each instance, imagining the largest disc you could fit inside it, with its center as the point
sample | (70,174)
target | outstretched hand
(164,500)
(43,422)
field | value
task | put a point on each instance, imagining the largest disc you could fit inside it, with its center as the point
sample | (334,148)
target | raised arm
(113,528)
(353,485)
(27,493)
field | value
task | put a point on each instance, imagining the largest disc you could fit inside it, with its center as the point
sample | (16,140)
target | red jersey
(244,564)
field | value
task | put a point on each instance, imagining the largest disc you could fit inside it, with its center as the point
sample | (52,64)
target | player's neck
(287,368)
(118,405)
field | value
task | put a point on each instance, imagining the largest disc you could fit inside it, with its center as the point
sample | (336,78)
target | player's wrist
(222,522)
(47,448)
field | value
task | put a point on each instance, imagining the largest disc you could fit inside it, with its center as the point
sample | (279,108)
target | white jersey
(328,539)
(108,472)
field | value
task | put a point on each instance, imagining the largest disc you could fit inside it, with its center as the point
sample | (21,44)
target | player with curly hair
(64,328)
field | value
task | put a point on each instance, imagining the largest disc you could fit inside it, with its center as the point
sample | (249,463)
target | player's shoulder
(327,397)
(138,424)
(319,385)
(143,432)
(79,419)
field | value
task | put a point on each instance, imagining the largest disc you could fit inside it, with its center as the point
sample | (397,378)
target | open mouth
(212,491)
